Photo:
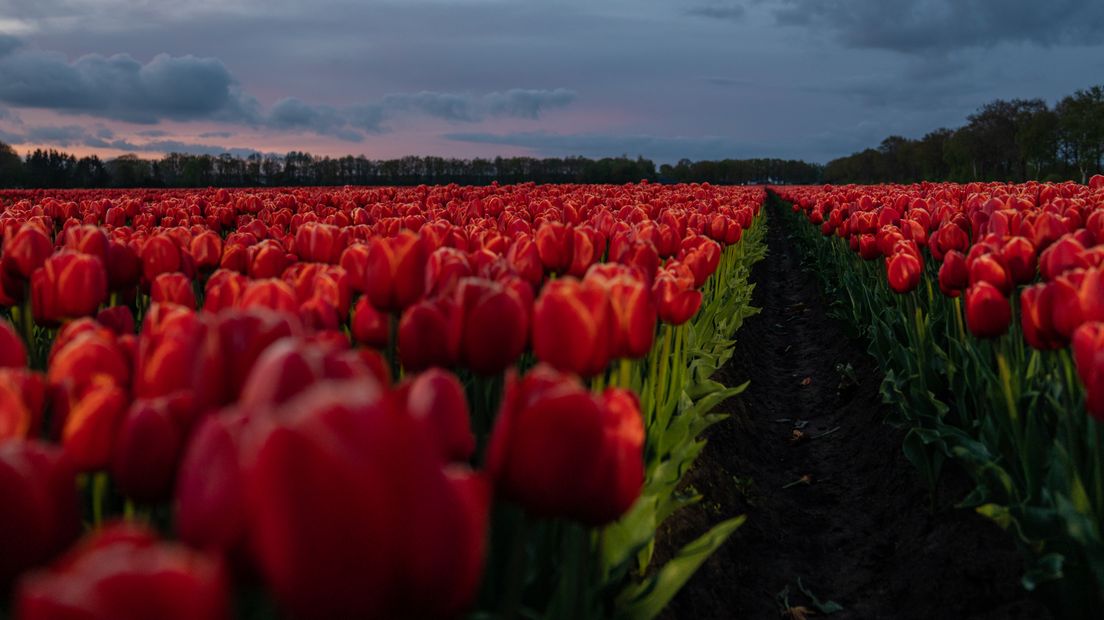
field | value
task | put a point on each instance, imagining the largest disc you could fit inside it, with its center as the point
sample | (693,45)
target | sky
(665,79)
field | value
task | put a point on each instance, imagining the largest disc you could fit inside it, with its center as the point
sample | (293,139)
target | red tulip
(178,352)
(27,250)
(206,250)
(91,426)
(1019,256)
(676,302)
(175,288)
(954,276)
(1036,318)
(572,323)
(224,289)
(560,451)
(22,401)
(988,268)
(988,312)
(40,516)
(1088,353)
(320,243)
(160,254)
(267,259)
(355,515)
(555,246)
(395,272)
(210,494)
(429,334)
(68,285)
(903,270)
(1062,256)
(495,325)
(124,573)
(436,398)
(12,352)
(243,336)
(272,294)
(633,309)
(147,448)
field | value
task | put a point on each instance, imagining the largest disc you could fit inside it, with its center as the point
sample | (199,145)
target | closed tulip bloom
(988,268)
(27,251)
(22,401)
(903,271)
(179,351)
(369,326)
(429,334)
(675,303)
(1088,354)
(206,250)
(124,573)
(560,451)
(1063,255)
(175,288)
(436,399)
(954,276)
(572,323)
(1019,256)
(224,289)
(555,246)
(633,309)
(495,325)
(267,260)
(88,359)
(69,285)
(272,294)
(1036,318)
(88,436)
(210,493)
(988,312)
(355,515)
(148,447)
(124,267)
(87,239)
(40,516)
(395,272)
(159,255)
(320,243)
(12,352)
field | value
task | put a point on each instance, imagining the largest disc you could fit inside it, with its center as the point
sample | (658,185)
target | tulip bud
(903,272)
(560,451)
(12,352)
(40,516)
(988,312)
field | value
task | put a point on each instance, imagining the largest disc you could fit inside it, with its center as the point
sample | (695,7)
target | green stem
(99,496)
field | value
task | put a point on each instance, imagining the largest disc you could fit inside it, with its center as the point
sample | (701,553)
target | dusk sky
(808,79)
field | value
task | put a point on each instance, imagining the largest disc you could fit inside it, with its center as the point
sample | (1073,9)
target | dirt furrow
(834,510)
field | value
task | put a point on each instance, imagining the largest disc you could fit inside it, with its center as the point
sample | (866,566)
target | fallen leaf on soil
(797,437)
(806,381)
(798,613)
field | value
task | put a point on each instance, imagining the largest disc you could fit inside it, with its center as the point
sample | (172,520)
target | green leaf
(645,601)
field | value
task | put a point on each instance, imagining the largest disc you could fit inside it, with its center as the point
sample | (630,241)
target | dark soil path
(861,531)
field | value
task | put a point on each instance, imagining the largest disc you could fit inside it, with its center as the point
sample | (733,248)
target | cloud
(938,26)
(122,88)
(152,133)
(467,108)
(732,12)
(291,113)
(664,149)
(104,138)
(209,134)
(9,44)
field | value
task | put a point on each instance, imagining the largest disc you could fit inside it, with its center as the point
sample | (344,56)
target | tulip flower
(988,312)
(124,573)
(436,398)
(429,334)
(147,447)
(12,352)
(903,270)
(572,323)
(495,325)
(320,243)
(206,251)
(559,451)
(27,251)
(1036,318)
(22,402)
(395,272)
(354,514)
(1088,354)
(173,288)
(40,516)
(68,285)
(954,276)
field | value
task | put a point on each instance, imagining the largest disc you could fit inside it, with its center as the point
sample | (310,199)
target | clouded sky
(667,79)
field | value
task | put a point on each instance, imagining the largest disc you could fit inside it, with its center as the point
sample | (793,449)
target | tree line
(1017,140)
(52,169)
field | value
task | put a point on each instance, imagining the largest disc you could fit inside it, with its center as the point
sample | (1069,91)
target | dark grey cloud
(467,108)
(122,88)
(209,134)
(719,11)
(9,44)
(152,133)
(661,148)
(938,26)
(291,113)
(103,138)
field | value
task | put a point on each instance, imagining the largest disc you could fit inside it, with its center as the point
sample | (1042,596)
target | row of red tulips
(304,389)
(987,301)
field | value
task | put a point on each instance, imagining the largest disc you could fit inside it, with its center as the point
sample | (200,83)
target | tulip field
(360,402)
(985,303)
(484,402)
